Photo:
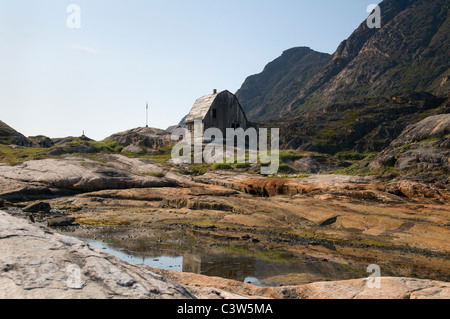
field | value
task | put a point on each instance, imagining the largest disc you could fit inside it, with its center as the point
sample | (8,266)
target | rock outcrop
(143,139)
(9,135)
(56,177)
(422,151)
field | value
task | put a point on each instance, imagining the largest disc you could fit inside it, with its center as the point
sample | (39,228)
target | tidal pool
(232,265)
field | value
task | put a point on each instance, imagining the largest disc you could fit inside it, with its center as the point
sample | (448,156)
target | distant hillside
(409,53)
(8,136)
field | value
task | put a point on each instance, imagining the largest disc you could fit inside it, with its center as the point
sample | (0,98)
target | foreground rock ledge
(36,262)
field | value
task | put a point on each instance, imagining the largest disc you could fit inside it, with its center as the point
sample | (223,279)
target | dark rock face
(60,222)
(38,208)
(367,126)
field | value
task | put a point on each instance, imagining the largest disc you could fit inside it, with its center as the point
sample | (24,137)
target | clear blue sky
(58,81)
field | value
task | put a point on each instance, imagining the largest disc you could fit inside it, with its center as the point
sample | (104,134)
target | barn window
(214,113)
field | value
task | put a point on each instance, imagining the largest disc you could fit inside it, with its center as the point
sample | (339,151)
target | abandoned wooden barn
(218,110)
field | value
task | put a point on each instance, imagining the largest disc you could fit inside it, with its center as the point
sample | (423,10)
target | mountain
(263,95)
(409,53)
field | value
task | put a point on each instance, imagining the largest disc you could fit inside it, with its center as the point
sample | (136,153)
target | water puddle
(162,262)
(233,265)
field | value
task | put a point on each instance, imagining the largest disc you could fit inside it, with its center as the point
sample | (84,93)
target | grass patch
(15,156)
(242,165)
(199,169)
(357,170)
(221,166)
(285,168)
(289,155)
(353,155)
(163,156)
(105,147)
(156,174)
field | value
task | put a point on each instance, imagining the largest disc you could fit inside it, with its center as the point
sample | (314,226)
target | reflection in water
(163,262)
(236,267)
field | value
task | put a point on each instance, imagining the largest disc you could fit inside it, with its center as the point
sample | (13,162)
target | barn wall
(228,112)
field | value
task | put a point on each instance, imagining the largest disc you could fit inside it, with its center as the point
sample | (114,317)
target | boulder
(60,222)
(41,141)
(134,149)
(143,137)
(38,208)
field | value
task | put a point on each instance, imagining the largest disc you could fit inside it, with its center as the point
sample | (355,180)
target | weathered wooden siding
(229,113)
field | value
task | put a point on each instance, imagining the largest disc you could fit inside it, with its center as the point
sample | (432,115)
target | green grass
(105,147)
(221,166)
(353,155)
(355,169)
(284,168)
(162,157)
(199,169)
(242,165)
(14,156)
(156,174)
(289,155)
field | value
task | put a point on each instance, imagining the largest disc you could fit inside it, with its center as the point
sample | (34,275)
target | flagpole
(147,115)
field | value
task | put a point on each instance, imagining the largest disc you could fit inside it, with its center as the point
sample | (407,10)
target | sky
(63,72)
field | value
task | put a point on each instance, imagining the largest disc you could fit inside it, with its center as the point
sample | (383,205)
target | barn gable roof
(201,107)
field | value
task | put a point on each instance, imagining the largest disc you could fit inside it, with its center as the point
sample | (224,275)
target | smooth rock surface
(77,174)
(37,263)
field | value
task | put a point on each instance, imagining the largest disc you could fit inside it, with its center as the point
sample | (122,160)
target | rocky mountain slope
(262,94)
(365,126)
(409,53)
